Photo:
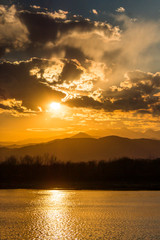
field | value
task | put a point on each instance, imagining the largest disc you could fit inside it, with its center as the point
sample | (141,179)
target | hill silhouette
(88,149)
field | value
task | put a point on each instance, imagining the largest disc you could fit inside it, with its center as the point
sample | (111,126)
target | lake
(79,214)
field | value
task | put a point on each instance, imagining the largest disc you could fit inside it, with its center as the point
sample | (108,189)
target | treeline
(39,172)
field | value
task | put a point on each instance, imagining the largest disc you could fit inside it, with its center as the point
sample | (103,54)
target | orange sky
(61,74)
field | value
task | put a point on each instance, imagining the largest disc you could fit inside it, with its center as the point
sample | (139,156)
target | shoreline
(94,187)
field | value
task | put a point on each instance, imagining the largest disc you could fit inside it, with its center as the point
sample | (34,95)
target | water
(61,214)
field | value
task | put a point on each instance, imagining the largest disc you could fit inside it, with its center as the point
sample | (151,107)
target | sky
(79,66)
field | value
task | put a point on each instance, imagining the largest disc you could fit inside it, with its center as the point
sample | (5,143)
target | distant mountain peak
(82,135)
(114,137)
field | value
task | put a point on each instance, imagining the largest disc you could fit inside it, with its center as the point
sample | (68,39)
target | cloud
(139,92)
(14,107)
(13,33)
(16,82)
(35,6)
(35,83)
(84,102)
(71,71)
(94,11)
(82,35)
(71,77)
(83,63)
(60,14)
(74,53)
(42,34)
(120,10)
(46,129)
(42,23)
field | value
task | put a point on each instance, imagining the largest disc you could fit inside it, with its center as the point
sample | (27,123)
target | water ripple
(57,214)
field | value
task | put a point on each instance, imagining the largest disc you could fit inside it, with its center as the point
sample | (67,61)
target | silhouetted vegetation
(124,173)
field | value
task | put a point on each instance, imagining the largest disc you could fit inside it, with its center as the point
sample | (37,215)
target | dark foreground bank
(122,174)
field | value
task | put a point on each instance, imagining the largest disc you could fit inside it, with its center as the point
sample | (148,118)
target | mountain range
(83,147)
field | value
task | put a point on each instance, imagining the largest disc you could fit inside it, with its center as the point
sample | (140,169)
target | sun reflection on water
(61,214)
(57,196)
(56,217)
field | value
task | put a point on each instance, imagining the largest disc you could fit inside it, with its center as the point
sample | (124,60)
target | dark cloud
(84,102)
(27,82)
(32,30)
(13,34)
(126,104)
(43,27)
(16,107)
(74,53)
(70,72)
(140,97)
(79,45)
(17,82)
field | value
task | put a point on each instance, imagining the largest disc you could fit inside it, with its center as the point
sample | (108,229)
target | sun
(55,106)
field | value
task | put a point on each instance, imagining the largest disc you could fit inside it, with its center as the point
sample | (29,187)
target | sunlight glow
(55,106)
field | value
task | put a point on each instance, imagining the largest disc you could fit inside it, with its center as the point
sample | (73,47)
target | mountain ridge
(89,149)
